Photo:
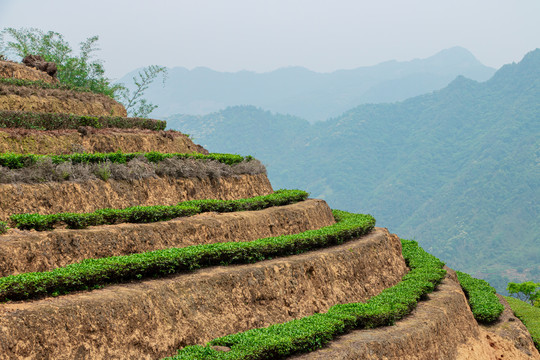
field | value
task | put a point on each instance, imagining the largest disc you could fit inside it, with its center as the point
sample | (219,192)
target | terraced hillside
(120,240)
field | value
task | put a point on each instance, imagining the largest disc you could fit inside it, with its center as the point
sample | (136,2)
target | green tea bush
(92,273)
(147,214)
(57,121)
(313,332)
(485,305)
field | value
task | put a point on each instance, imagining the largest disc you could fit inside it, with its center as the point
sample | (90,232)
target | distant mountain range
(304,93)
(457,169)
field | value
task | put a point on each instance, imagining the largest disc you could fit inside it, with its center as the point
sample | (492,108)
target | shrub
(526,291)
(485,305)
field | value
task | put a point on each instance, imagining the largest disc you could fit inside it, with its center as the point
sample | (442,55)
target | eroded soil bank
(9,69)
(442,327)
(152,319)
(55,197)
(27,251)
(97,140)
(22,98)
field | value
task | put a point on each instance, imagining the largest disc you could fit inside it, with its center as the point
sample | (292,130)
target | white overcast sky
(262,35)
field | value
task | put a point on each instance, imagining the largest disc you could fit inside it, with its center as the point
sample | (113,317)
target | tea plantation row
(18,161)
(148,214)
(95,273)
(313,332)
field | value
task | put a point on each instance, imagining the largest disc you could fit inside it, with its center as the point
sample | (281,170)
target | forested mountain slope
(301,92)
(457,169)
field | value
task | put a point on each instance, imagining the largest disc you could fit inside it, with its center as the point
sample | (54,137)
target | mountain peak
(454,56)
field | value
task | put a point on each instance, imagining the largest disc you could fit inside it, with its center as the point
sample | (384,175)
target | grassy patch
(312,332)
(148,214)
(485,305)
(57,121)
(95,273)
(529,315)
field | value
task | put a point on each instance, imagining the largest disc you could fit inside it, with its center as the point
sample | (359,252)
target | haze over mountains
(304,93)
(456,169)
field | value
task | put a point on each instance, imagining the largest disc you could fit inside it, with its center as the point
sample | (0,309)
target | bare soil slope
(68,196)
(151,319)
(22,98)
(10,69)
(24,141)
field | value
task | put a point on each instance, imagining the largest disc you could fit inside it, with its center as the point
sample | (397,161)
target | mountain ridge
(454,169)
(301,92)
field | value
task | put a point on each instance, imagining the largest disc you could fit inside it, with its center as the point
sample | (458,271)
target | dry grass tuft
(138,168)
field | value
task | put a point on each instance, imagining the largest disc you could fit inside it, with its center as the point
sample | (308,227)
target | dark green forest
(457,169)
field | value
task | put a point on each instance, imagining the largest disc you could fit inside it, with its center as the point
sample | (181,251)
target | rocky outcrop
(25,141)
(441,327)
(27,251)
(69,196)
(9,69)
(39,63)
(151,319)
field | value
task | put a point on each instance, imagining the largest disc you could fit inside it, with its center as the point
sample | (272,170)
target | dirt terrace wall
(99,140)
(441,328)
(14,70)
(68,196)
(27,251)
(507,338)
(22,98)
(151,319)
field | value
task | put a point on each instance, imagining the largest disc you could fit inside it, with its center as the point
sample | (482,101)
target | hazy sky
(262,35)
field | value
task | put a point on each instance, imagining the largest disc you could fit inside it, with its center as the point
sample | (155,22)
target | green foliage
(56,121)
(147,214)
(132,99)
(485,305)
(92,273)
(18,161)
(313,332)
(76,70)
(3,227)
(530,315)
(527,291)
